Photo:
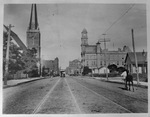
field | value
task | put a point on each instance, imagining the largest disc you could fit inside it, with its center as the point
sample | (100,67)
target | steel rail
(73,97)
(143,100)
(104,97)
(38,107)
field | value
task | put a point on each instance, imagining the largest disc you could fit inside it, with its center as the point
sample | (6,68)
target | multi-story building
(95,57)
(74,67)
(51,66)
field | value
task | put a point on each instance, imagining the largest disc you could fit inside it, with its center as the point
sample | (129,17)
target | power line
(119,18)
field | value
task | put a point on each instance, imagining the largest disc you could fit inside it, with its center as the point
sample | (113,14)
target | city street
(73,95)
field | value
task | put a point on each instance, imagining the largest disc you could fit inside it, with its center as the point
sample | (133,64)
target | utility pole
(136,65)
(105,40)
(7,55)
(41,61)
(40,68)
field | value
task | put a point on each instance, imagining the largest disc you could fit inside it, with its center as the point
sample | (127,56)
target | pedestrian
(124,75)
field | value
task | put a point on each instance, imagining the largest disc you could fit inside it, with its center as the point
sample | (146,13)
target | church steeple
(33,32)
(34,35)
(33,25)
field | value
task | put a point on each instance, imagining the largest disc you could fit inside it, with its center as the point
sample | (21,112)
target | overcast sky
(61,26)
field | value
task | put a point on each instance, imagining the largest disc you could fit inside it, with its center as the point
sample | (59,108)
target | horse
(129,78)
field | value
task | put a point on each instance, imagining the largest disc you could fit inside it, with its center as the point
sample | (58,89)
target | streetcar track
(104,97)
(38,107)
(143,100)
(77,106)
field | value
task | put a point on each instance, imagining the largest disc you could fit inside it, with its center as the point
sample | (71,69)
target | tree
(86,70)
(112,67)
(121,69)
(19,60)
(15,63)
(30,62)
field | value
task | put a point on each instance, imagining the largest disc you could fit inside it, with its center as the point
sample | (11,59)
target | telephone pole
(136,64)
(105,40)
(7,55)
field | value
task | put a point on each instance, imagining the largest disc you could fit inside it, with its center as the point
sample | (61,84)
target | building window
(86,56)
(101,62)
(117,62)
(94,63)
(104,62)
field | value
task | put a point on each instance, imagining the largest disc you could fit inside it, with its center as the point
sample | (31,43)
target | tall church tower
(33,33)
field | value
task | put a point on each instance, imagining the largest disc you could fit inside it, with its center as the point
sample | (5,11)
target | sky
(61,26)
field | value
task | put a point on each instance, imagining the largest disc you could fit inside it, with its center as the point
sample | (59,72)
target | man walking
(124,75)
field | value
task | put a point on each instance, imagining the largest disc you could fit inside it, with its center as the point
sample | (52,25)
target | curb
(8,86)
(142,86)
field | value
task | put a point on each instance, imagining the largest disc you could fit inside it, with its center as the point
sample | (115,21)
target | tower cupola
(84,33)
(84,38)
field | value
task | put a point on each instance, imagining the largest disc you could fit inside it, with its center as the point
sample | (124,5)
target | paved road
(73,95)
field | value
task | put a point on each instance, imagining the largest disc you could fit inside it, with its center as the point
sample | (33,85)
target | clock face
(84,35)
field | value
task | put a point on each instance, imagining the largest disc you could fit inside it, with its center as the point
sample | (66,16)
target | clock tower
(33,33)
(84,44)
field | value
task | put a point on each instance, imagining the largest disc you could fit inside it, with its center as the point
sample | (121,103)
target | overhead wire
(119,18)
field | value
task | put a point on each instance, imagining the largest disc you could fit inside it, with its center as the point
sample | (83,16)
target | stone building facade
(96,58)
(33,32)
(74,67)
(51,66)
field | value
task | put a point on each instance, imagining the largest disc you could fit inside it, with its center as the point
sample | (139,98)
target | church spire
(33,18)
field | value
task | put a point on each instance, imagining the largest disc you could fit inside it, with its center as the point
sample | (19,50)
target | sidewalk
(11,83)
(119,80)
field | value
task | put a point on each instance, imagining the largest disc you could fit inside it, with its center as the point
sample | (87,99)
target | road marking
(73,98)
(105,98)
(44,99)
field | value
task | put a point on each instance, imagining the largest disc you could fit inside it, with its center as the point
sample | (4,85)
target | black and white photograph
(75,58)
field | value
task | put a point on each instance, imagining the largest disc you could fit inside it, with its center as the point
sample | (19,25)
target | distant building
(95,57)
(141,61)
(103,70)
(74,67)
(51,66)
